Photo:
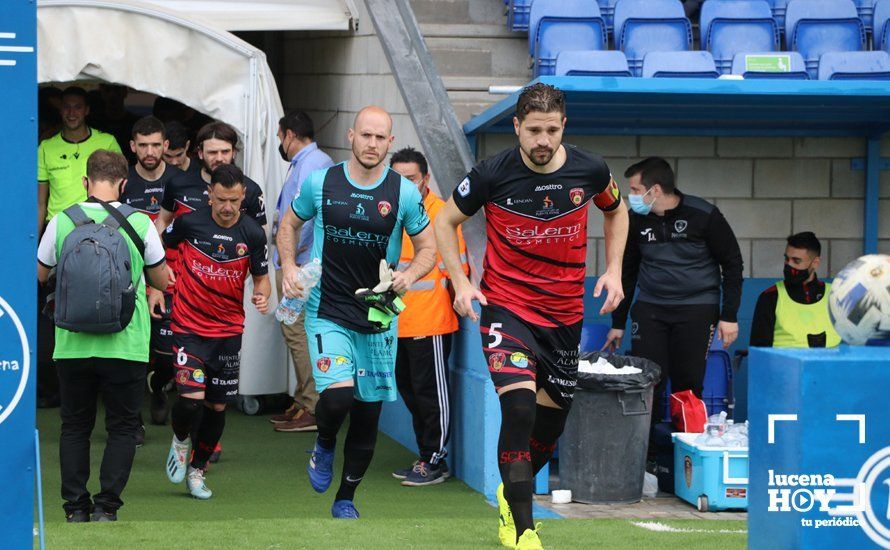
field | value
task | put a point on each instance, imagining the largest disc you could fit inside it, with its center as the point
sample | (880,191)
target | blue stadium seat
(517,15)
(854,66)
(643,26)
(791,64)
(607,9)
(679,65)
(881,24)
(814,27)
(558,25)
(592,63)
(866,10)
(731,27)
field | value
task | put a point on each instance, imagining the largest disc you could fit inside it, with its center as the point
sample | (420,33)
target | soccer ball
(859,300)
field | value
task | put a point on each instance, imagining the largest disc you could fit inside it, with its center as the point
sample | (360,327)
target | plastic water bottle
(289,309)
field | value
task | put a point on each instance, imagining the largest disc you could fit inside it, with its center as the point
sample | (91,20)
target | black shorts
(517,351)
(210,365)
(161,335)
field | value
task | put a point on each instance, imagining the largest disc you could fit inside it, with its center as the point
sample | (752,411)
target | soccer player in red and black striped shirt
(187,191)
(219,248)
(536,198)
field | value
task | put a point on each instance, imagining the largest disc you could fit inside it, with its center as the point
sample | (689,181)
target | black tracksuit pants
(121,384)
(677,338)
(422,380)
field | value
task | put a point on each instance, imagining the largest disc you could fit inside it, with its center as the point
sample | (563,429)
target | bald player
(359,209)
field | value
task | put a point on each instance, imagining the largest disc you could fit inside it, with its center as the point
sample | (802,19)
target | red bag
(688,412)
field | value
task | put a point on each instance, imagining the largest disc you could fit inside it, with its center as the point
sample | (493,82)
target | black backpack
(94,276)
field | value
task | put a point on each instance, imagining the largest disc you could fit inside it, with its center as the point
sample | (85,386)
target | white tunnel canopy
(150,48)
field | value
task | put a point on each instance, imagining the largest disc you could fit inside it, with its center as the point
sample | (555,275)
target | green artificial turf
(262,499)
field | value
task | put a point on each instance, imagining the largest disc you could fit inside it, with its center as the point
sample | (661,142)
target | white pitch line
(662,528)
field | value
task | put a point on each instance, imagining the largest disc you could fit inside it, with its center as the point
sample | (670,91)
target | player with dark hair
(216,143)
(219,247)
(359,209)
(177,152)
(188,191)
(144,192)
(793,313)
(536,198)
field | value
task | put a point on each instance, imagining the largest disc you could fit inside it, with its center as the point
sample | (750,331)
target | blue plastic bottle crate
(710,478)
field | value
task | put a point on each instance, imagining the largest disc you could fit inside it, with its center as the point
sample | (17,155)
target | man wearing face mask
(681,256)
(296,134)
(793,313)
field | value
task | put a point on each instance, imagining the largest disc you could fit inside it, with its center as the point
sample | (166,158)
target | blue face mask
(638,205)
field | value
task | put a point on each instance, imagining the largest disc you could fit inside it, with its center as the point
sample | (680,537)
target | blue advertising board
(819,448)
(18,213)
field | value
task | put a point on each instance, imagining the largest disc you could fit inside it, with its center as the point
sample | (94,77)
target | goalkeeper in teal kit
(359,210)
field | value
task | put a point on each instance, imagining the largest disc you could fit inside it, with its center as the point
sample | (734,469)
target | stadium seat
(643,26)
(517,15)
(781,65)
(854,66)
(784,65)
(814,27)
(881,25)
(592,63)
(866,10)
(607,9)
(679,65)
(558,25)
(731,27)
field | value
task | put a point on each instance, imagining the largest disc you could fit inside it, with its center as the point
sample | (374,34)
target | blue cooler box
(710,478)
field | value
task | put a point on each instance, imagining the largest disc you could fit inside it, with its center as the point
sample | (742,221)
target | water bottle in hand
(289,309)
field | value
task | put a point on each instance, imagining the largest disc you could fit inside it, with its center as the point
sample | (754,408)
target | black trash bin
(602,452)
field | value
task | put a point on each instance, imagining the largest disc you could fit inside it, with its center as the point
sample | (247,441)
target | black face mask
(795,276)
(282,152)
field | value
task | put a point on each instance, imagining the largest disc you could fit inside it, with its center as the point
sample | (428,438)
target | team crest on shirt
(323,364)
(384,208)
(182,377)
(241,249)
(496,361)
(577,195)
(519,359)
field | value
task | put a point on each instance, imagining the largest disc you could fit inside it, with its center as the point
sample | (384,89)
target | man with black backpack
(100,250)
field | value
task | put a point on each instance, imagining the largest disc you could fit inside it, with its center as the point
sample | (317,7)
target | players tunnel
(158,48)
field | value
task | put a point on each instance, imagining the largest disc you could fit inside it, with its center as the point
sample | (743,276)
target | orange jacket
(428,310)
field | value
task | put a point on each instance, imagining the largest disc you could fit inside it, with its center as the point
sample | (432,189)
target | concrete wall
(333,75)
(767,188)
